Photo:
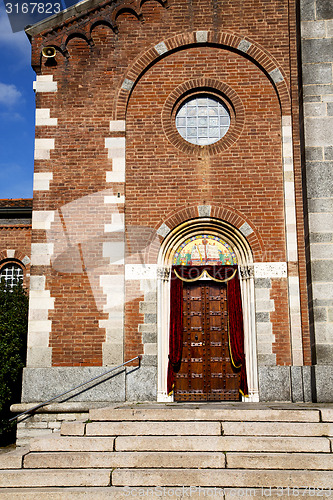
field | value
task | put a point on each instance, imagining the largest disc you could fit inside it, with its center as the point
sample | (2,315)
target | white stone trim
(10,253)
(115,251)
(117,125)
(42,181)
(150,349)
(39,354)
(201,36)
(45,83)
(114,200)
(161,48)
(114,285)
(117,224)
(116,147)
(41,254)
(116,177)
(116,144)
(140,272)
(42,219)
(289,190)
(43,148)
(204,210)
(41,299)
(265,337)
(26,260)
(114,290)
(244,46)
(163,230)
(276,75)
(43,118)
(270,269)
(291,239)
(127,84)
(246,229)
(295,321)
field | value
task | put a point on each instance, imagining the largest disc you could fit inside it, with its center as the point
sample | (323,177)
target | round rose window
(202,120)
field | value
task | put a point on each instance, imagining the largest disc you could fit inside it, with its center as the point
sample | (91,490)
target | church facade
(178,213)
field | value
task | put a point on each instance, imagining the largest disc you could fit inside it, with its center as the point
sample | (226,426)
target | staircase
(192,450)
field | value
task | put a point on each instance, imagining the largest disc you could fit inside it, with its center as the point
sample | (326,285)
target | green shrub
(13,347)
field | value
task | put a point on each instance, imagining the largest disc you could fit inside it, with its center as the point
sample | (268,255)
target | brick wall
(134,73)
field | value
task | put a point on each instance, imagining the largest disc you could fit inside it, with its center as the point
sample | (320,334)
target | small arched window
(12,274)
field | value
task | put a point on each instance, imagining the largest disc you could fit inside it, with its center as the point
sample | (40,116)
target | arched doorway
(179,247)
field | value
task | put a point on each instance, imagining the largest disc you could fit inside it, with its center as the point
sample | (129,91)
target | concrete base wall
(296,383)
(126,384)
(276,383)
(285,383)
(323,382)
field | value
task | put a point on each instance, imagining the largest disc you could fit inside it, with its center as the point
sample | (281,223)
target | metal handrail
(40,405)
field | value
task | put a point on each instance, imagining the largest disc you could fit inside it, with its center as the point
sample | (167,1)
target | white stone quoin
(42,181)
(45,83)
(43,118)
(39,326)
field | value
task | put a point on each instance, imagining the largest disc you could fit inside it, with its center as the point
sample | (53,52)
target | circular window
(202,120)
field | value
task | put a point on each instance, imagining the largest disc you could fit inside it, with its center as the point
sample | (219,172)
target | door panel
(206,372)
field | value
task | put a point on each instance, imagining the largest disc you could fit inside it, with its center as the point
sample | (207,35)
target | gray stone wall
(317,59)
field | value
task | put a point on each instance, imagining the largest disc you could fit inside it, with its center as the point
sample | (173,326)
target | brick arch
(255,53)
(18,257)
(222,212)
(12,260)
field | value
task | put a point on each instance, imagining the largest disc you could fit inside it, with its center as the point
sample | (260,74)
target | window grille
(12,274)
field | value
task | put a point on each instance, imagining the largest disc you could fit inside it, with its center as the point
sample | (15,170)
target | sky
(17,112)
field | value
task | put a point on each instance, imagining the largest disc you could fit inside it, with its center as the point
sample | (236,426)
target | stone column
(317,58)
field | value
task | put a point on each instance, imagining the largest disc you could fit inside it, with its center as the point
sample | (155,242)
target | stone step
(188,460)
(176,493)
(54,477)
(210,414)
(59,443)
(197,428)
(74,493)
(276,429)
(12,458)
(327,414)
(89,460)
(223,443)
(153,428)
(307,461)
(223,478)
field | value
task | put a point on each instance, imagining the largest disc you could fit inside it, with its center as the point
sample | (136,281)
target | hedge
(13,347)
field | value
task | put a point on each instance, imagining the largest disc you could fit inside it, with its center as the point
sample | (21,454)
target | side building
(15,240)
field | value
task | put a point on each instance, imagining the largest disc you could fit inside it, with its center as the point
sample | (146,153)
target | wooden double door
(206,372)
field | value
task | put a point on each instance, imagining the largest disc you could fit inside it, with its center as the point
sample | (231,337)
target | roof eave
(56,20)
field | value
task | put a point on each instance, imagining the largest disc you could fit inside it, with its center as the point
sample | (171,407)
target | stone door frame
(243,252)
